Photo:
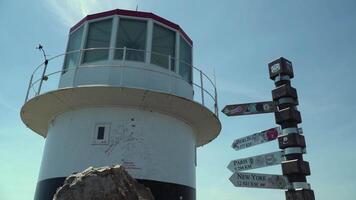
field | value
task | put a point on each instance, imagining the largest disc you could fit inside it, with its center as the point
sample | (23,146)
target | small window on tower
(101,133)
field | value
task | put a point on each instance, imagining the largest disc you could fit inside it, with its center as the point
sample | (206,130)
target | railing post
(122,66)
(202,87)
(216,97)
(124,56)
(42,77)
(77,66)
(169,62)
(29,87)
(216,102)
(169,68)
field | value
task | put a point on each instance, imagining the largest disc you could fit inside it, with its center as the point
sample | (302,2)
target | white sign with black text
(257,138)
(252,180)
(255,162)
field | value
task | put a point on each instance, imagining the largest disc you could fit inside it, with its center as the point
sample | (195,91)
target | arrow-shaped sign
(259,138)
(255,162)
(252,180)
(256,138)
(250,108)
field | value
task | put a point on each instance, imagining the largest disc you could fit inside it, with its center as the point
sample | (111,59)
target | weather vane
(44,77)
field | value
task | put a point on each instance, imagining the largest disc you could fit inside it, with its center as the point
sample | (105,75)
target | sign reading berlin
(256,138)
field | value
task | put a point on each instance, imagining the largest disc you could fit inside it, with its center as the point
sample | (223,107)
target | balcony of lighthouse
(120,50)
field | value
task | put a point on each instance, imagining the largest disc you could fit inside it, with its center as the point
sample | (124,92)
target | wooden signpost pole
(288,117)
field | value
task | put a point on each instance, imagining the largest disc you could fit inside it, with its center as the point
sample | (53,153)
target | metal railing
(205,84)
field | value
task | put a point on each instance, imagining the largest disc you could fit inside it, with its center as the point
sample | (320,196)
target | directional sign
(257,138)
(250,108)
(251,180)
(255,162)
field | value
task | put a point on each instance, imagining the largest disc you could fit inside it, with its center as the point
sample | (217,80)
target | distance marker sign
(249,108)
(251,180)
(255,162)
(257,138)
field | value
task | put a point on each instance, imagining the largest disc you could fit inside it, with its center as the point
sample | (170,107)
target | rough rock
(106,183)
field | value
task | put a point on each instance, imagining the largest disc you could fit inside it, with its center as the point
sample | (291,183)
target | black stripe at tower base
(161,190)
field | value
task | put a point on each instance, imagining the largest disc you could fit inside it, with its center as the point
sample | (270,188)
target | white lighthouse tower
(125,96)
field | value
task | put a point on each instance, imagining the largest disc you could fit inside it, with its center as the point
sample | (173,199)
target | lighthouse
(124,92)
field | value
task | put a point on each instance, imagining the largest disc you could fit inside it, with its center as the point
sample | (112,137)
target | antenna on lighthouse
(40,47)
(44,77)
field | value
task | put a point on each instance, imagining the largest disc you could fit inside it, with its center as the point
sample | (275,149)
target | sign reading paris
(255,162)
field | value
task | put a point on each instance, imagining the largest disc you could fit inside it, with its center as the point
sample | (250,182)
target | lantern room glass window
(131,34)
(74,43)
(185,60)
(163,45)
(99,35)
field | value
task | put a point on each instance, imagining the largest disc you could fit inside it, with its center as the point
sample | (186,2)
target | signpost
(255,162)
(290,140)
(249,108)
(253,180)
(288,117)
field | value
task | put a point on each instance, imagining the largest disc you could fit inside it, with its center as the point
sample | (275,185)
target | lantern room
(157,51)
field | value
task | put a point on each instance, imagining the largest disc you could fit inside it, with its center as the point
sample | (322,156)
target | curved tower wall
(153,147)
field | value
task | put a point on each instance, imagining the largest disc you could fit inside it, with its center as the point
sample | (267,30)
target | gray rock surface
(106,183)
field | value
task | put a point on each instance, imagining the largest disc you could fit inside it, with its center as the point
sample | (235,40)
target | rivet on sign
(266,107)
(285,140)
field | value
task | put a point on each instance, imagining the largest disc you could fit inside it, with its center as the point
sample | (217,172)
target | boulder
(105,183)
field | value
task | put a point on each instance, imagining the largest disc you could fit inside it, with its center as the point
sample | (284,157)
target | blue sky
(237,38)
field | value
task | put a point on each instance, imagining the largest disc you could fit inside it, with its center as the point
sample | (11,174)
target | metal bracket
(289,100)
(287,131)
(294,150)
(281,78)
(299,185)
